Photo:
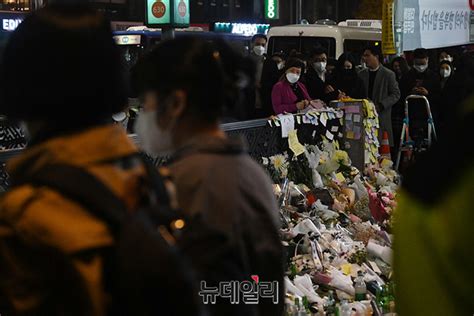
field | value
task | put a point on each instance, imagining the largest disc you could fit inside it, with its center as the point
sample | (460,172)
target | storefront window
(15,5)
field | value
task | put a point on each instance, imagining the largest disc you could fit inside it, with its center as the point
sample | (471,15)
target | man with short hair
(381,87)
(420,80)
(316,74)
(259,41)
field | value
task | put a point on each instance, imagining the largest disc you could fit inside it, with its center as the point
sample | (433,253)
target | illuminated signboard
(245,29)
(167,12)
(272,10)
(158,12)
(181,13)
(127,39)
(10,21)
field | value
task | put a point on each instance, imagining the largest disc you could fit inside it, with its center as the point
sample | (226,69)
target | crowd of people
(289,82)
(89,227)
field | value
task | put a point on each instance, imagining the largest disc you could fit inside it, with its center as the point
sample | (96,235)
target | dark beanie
(62,64)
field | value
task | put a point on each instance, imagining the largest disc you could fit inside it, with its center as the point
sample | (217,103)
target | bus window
(356,47)
(302,44)
(130,48)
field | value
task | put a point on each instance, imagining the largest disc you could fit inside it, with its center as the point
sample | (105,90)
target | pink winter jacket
(284,99)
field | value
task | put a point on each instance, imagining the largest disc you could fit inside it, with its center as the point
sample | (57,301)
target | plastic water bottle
(360,287)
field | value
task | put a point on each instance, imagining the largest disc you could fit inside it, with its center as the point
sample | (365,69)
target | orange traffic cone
(385,147)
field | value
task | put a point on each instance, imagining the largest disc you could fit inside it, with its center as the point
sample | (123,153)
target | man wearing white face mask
(420,80)
(259,41)
(316,77)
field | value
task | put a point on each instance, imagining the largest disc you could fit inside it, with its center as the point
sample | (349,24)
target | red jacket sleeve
(280,105)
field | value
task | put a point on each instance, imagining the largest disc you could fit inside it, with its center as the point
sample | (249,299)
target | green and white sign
(181,13)
(158,12)
(272,9)
(167,12)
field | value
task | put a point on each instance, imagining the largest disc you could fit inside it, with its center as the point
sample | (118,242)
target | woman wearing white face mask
(445,71)
(290,95)
(216,181)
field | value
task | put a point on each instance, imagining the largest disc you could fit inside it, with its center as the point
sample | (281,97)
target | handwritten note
(294,143)
(287,124)
(323,119)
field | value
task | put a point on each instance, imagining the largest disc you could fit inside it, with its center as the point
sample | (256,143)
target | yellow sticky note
(340,177)
(346,269)
(350,135)
(294,143)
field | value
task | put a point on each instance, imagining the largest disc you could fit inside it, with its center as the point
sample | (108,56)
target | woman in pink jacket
(290,95)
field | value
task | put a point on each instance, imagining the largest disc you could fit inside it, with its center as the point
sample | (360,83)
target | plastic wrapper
(341,282)
(304,227)
(382,252)
(305,285)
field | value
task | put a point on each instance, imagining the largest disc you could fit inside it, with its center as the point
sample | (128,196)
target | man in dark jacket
(271,73)
(421,81)
(316,77)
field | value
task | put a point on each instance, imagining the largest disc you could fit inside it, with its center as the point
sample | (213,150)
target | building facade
(210,11)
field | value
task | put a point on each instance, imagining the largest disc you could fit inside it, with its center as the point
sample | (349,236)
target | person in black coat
(271,74)
(400,67)
(420,80)
(456,91)
(345,80)
(316,78)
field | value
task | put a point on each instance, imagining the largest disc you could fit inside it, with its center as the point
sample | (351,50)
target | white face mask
(292,78)
(153,140)
(420,68)
(320,66)
(445,73)
(259,50)
(281,65)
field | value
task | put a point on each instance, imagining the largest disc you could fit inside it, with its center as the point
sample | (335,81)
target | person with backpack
(78,227)
(217,183)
